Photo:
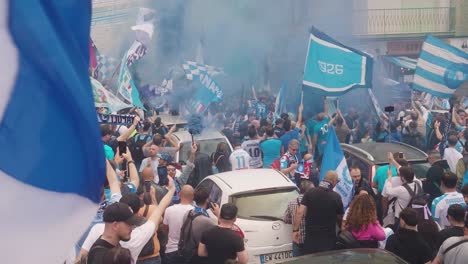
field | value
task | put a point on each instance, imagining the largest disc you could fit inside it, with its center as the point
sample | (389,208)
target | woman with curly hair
(362,221)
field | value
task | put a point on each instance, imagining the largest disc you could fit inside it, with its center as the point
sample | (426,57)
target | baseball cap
(165,156)
(133,201)
(228,211)
(121,212)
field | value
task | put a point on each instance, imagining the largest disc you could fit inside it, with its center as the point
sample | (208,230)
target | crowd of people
(152,212)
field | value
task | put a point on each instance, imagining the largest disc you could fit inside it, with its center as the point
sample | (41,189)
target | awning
(402,61)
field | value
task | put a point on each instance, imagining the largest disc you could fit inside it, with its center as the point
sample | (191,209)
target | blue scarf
(199,210)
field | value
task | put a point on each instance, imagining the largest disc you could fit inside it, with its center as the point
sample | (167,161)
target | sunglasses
(171,169)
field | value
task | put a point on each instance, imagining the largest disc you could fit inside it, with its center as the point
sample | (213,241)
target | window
(264,205)
(207,184)
(207,146)
(215,192)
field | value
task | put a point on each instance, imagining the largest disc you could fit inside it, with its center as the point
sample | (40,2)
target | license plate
(273,257)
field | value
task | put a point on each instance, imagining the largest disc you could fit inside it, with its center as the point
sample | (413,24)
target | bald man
(323,210)
(173,220)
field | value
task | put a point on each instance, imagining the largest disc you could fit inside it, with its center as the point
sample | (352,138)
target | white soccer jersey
(239,159)
(252,147)
(441,204)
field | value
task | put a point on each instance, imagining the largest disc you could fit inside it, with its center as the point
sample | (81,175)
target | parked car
(358,256)
(262,196)
(208,142)
(370,156)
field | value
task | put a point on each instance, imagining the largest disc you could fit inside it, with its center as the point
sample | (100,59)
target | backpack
(135,145)
(186,235)
(419,201)
(418,197)
(346,239)
(148,249)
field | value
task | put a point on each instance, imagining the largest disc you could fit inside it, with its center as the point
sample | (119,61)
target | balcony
(111,12)
(399,22)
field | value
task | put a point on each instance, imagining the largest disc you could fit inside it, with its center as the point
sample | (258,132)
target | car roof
(377,152)
(253,179)
(169,119)
(184,136)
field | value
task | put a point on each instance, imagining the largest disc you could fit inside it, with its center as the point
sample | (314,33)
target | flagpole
(302,95)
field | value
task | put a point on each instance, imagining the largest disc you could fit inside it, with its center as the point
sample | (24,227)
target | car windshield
(207,146)
(264,205)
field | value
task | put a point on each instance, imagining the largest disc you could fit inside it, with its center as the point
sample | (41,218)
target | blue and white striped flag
(333,159)
(194,70)
(52,164)
(441,68)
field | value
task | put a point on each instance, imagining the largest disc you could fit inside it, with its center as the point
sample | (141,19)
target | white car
(208,140)
(261,196)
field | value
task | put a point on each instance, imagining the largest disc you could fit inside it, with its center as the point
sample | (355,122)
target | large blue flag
(333,69)
(208,92)
(126,86)
(52,164)
(333,159)
(441,68)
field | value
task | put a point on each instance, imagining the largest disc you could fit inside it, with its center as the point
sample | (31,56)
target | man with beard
(360,183)
(122,225)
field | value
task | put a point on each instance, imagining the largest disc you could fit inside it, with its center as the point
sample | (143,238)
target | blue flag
(52,164)
(333,69)
(208,91)
(441,68)
(126,86)
(333,159)
(280,104)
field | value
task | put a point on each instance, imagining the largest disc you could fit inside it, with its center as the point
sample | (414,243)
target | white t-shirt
(139,237)
(441,204)
(452,156)
(174,218)
(394,188)
(239,159)
(252,147)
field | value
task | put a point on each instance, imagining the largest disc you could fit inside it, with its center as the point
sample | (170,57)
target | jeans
(153,260)
(297,249)
(174,258)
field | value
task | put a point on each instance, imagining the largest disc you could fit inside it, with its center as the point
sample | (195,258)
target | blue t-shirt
(271,149)
(381,176)
(310,127)
(321,130)
(261,109)
(293,134)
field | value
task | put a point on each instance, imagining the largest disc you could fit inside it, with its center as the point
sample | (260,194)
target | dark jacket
(410,246)
(433,178)
(203,168)
(364,185)
(221,161)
